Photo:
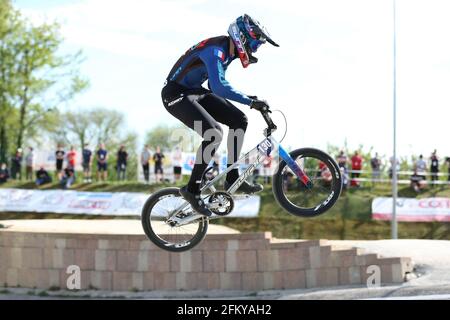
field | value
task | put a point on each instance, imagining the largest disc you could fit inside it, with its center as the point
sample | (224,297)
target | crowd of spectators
(424,172)
(421,169)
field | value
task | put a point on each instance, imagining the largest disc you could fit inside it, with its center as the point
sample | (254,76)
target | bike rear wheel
(171,238)
(295,197)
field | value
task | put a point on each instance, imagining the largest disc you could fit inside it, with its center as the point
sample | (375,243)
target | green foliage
(5,11)
(35,79)
(93,127)
(167,137)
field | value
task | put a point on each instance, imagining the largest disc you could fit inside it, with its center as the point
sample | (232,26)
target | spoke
(295,190)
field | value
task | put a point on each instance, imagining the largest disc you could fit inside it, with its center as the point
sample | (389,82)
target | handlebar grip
(268,119)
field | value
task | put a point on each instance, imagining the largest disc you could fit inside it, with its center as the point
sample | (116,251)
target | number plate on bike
(265,147)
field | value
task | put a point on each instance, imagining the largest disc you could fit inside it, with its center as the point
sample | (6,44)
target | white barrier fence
(410,209)
(399,173)
(96,203)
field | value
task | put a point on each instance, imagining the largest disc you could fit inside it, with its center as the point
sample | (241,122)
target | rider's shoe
(246,187)
(195,201)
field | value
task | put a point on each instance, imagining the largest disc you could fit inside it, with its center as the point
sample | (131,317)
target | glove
(259,105)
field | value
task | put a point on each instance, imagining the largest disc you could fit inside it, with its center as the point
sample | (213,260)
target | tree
(79,124)
(9,25)
(94,126)
(39,69)
(5,11)
(34,78)
(107,124)
(167,137)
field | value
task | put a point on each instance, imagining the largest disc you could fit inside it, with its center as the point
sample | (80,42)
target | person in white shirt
(29,163)
(393,162)
(421,167)
(145,162)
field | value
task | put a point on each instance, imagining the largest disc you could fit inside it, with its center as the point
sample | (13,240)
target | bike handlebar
(270,125)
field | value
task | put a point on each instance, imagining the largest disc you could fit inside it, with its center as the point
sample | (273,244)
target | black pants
(16,172)
(146,169)
(434,176)
(205,108)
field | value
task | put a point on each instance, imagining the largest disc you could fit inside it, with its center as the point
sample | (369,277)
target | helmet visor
(257,31)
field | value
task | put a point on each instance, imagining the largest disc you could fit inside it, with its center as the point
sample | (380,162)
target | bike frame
(263,150)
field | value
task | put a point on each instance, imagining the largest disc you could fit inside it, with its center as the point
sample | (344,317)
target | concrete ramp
(116,255)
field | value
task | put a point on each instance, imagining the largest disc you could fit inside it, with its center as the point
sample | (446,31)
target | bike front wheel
(157,227)
(300,200)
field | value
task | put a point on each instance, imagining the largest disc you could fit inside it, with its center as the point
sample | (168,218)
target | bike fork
(294,167)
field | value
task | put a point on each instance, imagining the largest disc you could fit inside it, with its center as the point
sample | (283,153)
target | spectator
(177,160)
(68,177)
(256,174)
(375,164)
(421,167)
(356,168)
(102,163)
(342,160)
(29,163)
(42,177)
(267,169)
(87,163)
(418,181)
(122,157)
(447,160)
(393,162)
(324,173)
(4,173)
(59,155)
(434,168)
(71,157)
(344,173)
(145,162)
(158,158)
(16,165)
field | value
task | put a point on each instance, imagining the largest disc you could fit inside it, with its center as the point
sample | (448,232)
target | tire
(146,219)
(278,185)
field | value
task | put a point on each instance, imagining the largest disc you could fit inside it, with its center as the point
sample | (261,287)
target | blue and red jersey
(208,60)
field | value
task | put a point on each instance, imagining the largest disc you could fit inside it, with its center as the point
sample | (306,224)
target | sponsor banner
(96,203)
(411,209)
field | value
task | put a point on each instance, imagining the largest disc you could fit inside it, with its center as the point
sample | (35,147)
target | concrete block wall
(247,261)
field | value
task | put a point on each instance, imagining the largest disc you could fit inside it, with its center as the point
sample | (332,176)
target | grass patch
(54,288)
(43,294)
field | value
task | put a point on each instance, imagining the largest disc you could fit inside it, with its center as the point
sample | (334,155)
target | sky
(332,75)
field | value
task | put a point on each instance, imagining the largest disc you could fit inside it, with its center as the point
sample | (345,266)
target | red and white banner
(96,203)
(411,209)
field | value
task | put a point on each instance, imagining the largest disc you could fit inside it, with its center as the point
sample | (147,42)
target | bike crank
(221,203)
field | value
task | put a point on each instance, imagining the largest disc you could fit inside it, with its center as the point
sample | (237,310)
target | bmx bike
(306,183)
